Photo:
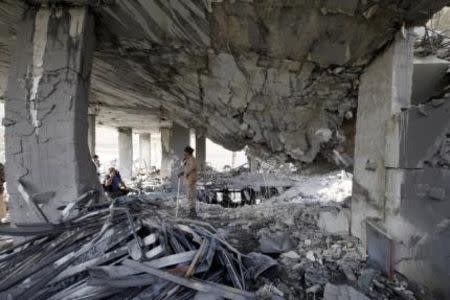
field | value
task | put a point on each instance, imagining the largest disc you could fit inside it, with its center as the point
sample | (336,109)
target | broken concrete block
(342,292)
(291,255)
(310,256)
(334,222)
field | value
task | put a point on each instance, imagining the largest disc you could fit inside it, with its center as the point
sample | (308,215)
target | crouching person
(114,185)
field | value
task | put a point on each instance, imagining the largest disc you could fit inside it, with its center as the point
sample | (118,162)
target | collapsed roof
(277,75)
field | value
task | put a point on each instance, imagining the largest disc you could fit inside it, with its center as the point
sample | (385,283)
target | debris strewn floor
(293,246)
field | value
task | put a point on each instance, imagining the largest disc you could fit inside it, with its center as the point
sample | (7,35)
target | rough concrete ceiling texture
(277,75)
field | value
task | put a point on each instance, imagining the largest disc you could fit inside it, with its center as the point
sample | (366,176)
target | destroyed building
(292,80)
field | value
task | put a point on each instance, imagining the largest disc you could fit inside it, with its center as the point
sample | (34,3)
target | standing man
(190,177)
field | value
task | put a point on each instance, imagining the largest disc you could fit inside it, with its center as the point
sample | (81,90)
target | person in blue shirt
(114,184)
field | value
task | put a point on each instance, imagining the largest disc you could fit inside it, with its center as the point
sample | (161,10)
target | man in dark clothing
(114,184)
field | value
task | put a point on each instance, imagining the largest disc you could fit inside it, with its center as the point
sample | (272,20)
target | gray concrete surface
(401,168)
(91,134)
(268,74)
(46,113)
(200,150)
(126,152)
(145,151)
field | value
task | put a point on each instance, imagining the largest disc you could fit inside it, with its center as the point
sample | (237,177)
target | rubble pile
(432,42)
(293,246)
(125,251)
(317,257)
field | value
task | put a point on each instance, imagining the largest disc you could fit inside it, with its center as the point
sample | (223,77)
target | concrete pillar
(180,139)
(400,204)
(47,154)
(166,136)
(173,142)
(385,88)
(91,134)
(200,150)
(145,150)
(126,152)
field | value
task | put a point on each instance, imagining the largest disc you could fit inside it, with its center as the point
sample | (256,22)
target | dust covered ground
(306,229)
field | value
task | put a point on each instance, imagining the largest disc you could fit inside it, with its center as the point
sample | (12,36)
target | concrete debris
(310,256)
(335,222)
(342,292)
(159,252)
(95,254)
(290,255)
(277,242)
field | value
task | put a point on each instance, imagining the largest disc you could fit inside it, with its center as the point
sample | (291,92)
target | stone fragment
(323,134)
(290,255)
(310,256)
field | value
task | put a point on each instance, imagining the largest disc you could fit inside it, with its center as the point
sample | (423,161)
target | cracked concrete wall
(46,108)
(385,88)
(417,209)
(401,168)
